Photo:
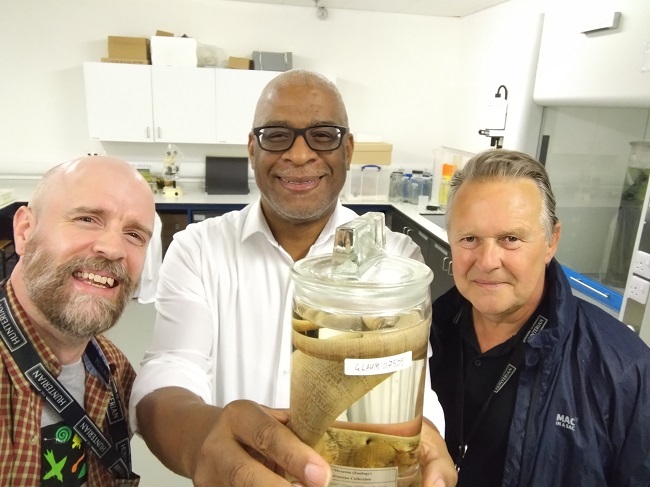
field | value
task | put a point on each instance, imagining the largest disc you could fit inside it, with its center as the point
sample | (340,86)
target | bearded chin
(80,316)
(84,316)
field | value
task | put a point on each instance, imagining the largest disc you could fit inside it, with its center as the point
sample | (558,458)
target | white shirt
(224,300)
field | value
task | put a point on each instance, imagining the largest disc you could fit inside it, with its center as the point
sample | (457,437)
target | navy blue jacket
(582,414)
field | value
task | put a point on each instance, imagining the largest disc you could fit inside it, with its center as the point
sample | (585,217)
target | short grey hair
(503,164)
(301,77)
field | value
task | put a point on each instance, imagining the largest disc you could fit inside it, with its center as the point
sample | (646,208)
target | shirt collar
(469,334)
(255,223)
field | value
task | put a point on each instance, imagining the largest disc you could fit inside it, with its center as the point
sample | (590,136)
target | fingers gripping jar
(361,321)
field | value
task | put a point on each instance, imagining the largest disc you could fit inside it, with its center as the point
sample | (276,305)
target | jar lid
(359,276)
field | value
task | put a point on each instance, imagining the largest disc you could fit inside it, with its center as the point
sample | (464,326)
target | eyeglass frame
(257,132)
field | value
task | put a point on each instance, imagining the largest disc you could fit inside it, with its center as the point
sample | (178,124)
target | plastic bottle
(406,185)
(447,172)
(395,186)
(415,188)
(427,184)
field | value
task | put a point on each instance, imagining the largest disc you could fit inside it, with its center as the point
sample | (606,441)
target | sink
(438,219)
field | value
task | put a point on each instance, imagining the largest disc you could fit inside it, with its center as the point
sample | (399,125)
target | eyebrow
(284,123)
(520,231)
(516,231)
(102,213)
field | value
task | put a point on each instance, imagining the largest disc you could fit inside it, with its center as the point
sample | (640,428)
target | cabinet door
(184,102)
(237,93)
(118,102)
(439,259)
(607,68)
(436,253)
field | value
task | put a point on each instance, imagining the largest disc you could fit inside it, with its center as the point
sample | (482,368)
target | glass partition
(598,186)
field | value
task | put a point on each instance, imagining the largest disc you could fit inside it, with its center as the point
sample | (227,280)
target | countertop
(193,194)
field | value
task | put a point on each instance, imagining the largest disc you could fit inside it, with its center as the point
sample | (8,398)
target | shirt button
(285,372)
(477,363)
(33,439)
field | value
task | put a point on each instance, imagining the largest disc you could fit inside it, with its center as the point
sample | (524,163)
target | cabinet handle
(447,268)
(159,133)
(148,132)
(407,231)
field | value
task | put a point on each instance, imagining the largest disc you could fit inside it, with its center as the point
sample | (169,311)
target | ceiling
(439,8)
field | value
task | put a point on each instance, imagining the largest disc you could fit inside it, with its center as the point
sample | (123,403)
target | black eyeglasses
(318,138)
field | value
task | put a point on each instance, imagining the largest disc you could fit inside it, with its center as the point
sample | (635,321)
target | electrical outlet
(638,289)
(641,265)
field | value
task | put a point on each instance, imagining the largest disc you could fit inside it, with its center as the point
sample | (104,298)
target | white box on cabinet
(173,51)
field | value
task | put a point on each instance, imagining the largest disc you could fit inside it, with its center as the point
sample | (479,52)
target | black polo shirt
(485,434)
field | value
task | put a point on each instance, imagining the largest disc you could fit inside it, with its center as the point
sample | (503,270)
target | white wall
(420,82)
(498,46)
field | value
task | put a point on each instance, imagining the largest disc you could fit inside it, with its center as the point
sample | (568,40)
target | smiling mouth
(96,280)
(300,181)
(488,283)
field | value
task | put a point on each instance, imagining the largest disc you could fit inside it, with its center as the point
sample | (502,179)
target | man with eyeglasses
(221,353)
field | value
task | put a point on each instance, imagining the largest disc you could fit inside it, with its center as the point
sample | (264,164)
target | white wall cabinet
(609,68)
(237,95)
(118,102)
(184,104)
(136,103)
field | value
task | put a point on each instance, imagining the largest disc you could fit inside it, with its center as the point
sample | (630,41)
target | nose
(110,243)
(300,152)
(489,255)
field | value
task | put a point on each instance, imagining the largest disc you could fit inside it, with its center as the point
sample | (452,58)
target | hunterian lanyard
(515,360)
(117,458)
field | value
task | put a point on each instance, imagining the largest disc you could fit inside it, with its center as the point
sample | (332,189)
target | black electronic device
(226,175)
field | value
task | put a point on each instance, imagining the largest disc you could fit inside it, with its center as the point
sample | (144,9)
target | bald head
(71,175)
(298,78)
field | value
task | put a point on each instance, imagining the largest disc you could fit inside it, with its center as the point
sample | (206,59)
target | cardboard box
(372,153)
(239,63)
(124,61)
(272,61)
(131,48)
(173,51)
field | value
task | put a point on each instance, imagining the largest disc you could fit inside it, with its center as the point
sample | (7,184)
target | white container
(367,182)
(173,51)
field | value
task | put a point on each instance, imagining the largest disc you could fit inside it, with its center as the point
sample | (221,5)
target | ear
(251,149)
(552,246)
(24,225)
(349,150)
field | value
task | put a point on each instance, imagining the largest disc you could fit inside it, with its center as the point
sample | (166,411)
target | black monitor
(226,175)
